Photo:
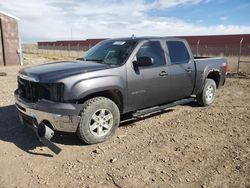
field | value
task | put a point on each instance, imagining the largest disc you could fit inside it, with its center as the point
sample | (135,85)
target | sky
(47,20)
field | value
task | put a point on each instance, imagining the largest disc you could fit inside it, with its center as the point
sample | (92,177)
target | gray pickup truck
(135,76)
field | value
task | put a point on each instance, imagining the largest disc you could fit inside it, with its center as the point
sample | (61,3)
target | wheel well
(215,75)
(114,95)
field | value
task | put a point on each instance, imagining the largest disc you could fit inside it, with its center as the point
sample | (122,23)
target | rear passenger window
(152,49)
(178,52)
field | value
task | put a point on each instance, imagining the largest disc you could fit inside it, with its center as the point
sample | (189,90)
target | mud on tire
(100,117)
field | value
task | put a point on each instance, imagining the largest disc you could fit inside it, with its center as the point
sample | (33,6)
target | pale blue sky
(209,12)
(55,19)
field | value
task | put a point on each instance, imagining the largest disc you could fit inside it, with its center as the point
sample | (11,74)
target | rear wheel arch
(214,75)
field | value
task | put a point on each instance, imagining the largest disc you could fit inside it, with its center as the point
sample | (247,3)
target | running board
(160,108)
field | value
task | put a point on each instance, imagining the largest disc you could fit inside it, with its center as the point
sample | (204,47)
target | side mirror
(144,61)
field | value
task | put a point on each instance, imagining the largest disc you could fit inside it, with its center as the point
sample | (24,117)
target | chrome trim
(59,122)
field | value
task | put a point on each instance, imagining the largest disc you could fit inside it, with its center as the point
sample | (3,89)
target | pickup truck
(135,76)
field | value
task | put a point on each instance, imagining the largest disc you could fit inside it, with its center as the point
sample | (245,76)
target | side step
(160,108)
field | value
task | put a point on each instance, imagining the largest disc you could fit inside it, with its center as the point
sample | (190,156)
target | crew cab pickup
(135,76)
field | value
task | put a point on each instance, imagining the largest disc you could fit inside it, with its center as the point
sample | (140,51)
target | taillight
(226,68)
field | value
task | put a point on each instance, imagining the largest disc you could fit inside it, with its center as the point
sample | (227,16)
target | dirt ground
(186,146)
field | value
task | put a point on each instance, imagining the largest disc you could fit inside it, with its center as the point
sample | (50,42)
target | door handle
(163,73)
(189,69)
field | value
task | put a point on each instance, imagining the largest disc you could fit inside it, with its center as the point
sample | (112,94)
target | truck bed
(203,64)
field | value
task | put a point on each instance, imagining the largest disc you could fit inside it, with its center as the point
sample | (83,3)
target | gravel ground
(186,146)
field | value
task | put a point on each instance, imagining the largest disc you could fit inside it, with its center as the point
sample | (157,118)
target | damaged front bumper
(46,116)
(61,116)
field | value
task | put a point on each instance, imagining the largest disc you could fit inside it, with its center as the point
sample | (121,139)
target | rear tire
(207,96)
(100,118)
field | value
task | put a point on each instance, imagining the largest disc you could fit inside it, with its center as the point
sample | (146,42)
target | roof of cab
(144,38)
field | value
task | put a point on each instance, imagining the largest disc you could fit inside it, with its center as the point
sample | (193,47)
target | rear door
(147,85)
(181,69)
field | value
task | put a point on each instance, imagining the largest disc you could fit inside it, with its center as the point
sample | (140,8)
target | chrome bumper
(65,123)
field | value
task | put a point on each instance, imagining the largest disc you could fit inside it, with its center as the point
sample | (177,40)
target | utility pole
(197,47)
(239,55)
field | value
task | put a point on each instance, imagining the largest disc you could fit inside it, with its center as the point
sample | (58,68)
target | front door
(147,85)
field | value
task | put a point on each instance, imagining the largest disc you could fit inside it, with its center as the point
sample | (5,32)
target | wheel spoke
(99,130)
(102,113)
(93,126)
(95,118)
(106,126)
(108,117)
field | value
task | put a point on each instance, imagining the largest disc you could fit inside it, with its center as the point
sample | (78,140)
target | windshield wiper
(80,59)
(97,60)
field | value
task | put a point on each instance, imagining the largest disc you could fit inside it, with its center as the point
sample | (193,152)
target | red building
(219,44)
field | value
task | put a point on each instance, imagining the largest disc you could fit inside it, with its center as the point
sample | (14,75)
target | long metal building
(227,45)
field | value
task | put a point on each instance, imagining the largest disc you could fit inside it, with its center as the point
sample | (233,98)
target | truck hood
(51,72)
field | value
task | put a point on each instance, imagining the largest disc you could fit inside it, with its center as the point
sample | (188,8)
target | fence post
(197,47)
(53,49)
(238,68)
(61,47)
(68,50)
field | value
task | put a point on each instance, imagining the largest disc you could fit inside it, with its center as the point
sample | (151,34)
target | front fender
(86,87)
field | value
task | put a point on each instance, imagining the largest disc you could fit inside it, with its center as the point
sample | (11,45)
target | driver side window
(153,50)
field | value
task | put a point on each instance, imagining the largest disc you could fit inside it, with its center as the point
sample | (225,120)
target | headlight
(50,91)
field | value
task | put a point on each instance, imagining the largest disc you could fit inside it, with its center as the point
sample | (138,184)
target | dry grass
(233,63)
(34,59)
(55,53)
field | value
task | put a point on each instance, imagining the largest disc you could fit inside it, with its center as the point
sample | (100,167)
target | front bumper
(61,116)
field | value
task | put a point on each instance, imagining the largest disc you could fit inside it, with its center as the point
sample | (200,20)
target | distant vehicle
(133,76)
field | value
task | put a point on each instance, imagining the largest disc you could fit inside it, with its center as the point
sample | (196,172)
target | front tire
(207,96)
(100,118)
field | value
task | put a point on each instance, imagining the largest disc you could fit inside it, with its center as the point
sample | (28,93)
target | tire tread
(86,105)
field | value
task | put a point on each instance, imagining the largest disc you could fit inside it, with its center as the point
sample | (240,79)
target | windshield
(110,52)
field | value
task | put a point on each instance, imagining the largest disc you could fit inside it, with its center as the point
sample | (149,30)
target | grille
(33,91)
